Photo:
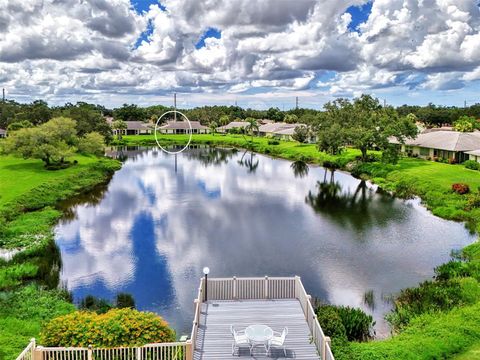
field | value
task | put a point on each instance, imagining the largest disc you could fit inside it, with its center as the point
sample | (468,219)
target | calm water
(160,220)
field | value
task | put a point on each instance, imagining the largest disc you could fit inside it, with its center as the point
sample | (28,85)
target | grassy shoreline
(28,282)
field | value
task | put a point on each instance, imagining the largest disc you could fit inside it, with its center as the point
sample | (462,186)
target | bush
(345,323)
(117,327)
(358,325)
(273,142)
(332,165)
(330,321)
(460,188)
(472,165)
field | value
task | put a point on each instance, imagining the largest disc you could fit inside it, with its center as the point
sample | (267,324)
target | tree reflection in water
(300,169)
(210,156)
(360,209)
(250,162)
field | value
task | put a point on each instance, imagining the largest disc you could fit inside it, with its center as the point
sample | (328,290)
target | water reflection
(161,221)
(360,209)
(300,168)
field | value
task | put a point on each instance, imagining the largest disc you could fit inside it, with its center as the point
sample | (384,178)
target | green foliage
(301,134)
(117,327)
(19,125)
(466,124)
(358,325)
(52,142)
(275,114)
(97,305)
(125,300)
(119,125)
(291,119)
(429,336)
(331,322)
(472,165)
(273,142)
(21,315)
(345,323)
(92,143)
(213,127)
(130,112)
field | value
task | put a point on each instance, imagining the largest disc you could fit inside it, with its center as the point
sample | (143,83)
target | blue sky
(259,53)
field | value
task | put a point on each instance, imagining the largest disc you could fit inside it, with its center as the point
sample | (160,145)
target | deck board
(214,340)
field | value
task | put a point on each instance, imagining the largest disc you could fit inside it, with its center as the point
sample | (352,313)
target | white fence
(215,289)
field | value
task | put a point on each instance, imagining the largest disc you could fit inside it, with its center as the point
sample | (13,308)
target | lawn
(18,176)
(28,195)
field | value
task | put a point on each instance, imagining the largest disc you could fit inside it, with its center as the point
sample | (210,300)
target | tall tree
(252,126)
(119,126)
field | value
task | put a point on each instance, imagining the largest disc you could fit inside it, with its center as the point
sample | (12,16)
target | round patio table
(259,335)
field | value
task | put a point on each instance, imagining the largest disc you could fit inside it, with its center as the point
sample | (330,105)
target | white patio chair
(239,340)
(278,341)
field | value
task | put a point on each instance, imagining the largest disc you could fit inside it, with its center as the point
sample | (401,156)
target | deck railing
(216,289)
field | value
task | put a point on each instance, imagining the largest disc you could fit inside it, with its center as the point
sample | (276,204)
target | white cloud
(86,50)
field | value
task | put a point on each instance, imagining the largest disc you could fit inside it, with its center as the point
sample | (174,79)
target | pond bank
(29,280)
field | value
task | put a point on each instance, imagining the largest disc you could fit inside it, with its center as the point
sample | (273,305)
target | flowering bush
(117,327)
(460,188)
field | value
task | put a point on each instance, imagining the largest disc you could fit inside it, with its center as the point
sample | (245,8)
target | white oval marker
(189,139)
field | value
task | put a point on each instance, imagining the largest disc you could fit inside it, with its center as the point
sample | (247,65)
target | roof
(274,127)
(474,152)
(137,125)
(234,124)
(446,140)
(3,131)
(183,125)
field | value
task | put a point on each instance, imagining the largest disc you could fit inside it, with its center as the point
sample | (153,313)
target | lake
(162,218)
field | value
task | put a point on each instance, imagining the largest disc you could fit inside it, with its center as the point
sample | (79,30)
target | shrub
(460,188)
(472,165)
(358,325)
(473,202)
(117,327)
(345,323)
(330,321)
(330,164)
(273,142)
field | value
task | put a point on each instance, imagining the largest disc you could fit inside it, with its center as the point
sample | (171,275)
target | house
(448,145)
(232,125)
(3,133)
(135,128)
(269,129)
(182,127)
(474,155)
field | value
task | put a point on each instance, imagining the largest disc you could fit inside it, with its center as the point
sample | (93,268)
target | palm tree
(119,126)
(213,127)
(252,126)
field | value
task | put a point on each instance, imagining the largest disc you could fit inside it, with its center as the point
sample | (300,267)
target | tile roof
(183,125)
(446,140)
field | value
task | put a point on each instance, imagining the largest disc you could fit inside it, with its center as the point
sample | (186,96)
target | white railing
(251,288)
(215,289)
(161,351)
(27,354)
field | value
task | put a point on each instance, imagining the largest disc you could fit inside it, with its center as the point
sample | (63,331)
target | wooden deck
(214,340)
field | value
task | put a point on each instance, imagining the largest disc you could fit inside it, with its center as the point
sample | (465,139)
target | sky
(256,53)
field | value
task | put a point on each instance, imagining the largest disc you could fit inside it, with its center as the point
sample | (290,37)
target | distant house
(232,125)
(3,133)
(182,127)
(269,129)
(442,144)
(474,155)
(135,128)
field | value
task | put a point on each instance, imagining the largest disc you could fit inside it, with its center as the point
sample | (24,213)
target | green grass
(22,314)
(429,336)
(28,195)
(18,176)
(472,353)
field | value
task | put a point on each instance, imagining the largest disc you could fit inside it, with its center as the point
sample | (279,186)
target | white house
(3,133)
(135,128)
(474,155)
(443,144)
(182,127)
(232,125)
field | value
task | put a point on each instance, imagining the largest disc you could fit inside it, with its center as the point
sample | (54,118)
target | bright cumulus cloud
(260,53)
